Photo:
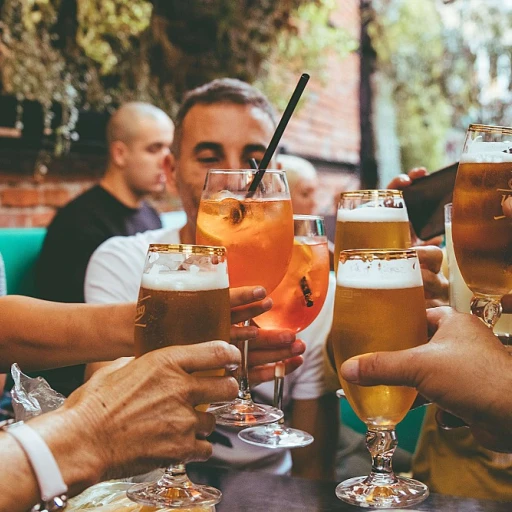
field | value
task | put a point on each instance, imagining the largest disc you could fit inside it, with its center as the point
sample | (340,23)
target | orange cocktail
(257,231)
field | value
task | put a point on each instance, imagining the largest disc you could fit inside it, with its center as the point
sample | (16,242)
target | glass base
(376,491)
(156,494)
(276,436)
(245,413)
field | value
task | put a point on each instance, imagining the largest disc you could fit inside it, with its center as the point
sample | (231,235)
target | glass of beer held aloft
(183,300)
(257,230)
(379,305)
(371,219)
(482,235)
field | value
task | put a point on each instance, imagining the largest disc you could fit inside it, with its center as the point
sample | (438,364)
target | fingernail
(298,348)
(267,304)
(259,292)
(350,370)
(287,337)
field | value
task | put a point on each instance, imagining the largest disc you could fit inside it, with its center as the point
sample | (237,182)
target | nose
(233,161)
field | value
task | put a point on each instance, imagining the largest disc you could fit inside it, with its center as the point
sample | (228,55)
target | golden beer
(378,309)
(372,224)
(482,235)
(180,304)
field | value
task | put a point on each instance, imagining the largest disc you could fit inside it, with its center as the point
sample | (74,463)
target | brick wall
(325,130)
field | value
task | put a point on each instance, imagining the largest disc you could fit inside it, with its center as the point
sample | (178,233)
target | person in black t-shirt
(139,137)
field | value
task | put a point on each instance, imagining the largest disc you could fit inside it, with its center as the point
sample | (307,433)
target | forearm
(73,451)
(39,334)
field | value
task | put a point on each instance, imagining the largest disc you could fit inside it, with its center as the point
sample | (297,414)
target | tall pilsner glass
(482,235)
(379,305)
(257,231)
(183,299)
(371,219)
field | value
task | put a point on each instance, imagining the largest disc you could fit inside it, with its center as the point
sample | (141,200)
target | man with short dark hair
(139,137)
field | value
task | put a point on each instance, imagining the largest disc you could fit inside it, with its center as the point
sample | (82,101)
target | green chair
(20,248)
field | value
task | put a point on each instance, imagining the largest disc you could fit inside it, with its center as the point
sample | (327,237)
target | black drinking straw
(287,114)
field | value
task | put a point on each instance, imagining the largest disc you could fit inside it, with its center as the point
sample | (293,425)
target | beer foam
(181,280)
(479,152)
(373,214)
(380,274)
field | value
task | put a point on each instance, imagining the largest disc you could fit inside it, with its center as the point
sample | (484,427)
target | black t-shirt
(74,234)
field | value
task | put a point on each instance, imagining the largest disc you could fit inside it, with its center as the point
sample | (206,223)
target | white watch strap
(43,462)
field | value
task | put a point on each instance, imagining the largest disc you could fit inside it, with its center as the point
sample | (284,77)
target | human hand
(403,181)
(435,284)
(266,346)
(140,415)
(464,369)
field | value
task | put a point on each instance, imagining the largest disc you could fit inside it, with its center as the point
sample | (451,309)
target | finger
(205,390)
(507,207)
(243,313)
(259,357)
(202,451)
(399,368)
(417,172)
(205,425)
(436,316)
(430,257)
(268,339)
(243,333)
(437,241)
(265,373)
(399,182)
(435,286)
(506,302)
(246,295)
(198,357)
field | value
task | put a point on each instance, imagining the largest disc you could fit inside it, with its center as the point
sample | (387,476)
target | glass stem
(381,444)
(488,309)
(244,390)
(175,476)
(279,387)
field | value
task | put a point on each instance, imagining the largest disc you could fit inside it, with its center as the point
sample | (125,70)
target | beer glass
(460,294)
(371,219)
(183,299)
(257,231)
(482,235)
(379,305)
(297,302)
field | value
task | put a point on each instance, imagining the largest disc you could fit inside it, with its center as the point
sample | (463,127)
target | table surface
(255,492)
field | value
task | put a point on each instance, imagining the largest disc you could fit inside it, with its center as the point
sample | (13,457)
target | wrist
(72,444)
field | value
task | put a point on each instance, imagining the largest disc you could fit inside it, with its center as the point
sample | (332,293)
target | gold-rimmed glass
(482,235)
(371,219)
(183,300)
(379,305)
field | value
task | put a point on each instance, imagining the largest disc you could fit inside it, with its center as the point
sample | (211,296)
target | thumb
(399,368)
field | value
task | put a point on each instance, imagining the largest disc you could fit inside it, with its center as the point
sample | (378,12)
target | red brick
(41,219)
(55,197)
(19,197)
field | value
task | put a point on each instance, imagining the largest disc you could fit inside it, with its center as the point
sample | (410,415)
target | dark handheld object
(425,199)
(287,114)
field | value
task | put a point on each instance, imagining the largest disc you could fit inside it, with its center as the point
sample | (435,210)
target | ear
(118,153)
(170,169)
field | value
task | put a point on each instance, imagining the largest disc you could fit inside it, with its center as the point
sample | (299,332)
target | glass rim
(379,192)
(488,128)
(301,216)
(191,248)
(377,254)
(244,171)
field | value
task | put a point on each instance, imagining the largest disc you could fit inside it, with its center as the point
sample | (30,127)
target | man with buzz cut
(139,137)
(223,124)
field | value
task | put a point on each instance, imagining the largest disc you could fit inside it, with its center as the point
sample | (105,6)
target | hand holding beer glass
(482,235)
(297,302)
(257,231)
(371,219)
(379,305)
(183,300)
